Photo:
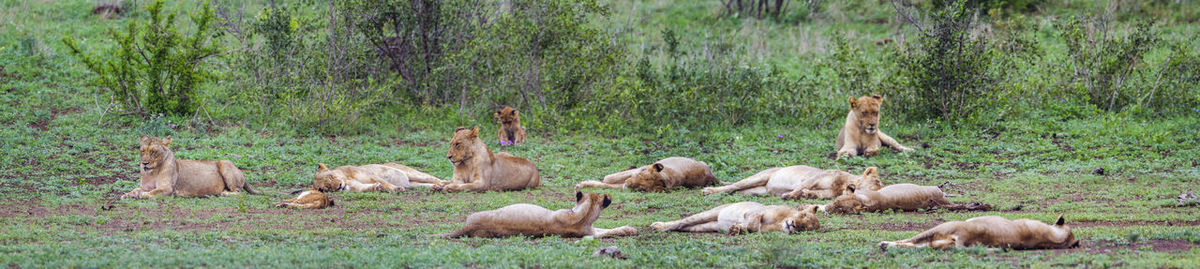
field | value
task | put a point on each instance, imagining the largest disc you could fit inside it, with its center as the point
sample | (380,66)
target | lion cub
(746,217)
(476,168)
(511,131)
(993,232)
(162,174)
(861,134)
(904,197)
(532,220)
(801,181)
(309,199)
(660,176)
(371,177)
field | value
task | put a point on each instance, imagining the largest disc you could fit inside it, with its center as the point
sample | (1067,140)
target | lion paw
(738,229)
(710,191)
(660,226)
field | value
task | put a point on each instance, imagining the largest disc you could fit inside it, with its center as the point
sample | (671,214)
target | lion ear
(321,167)
(871,171)
(811,209)
(143,139)
(658,167)
(497,114)
(853,102)
(607,201)
(850,188)
(167,141)
(877,97)
(1060,221)
(475,131)
(578,196)
(515,112)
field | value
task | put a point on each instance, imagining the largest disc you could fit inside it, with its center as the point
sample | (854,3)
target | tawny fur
(861,134)
(371,177)
(746,217)
(662,175)
(801,182)
(163,175)
(510,126)
(533,220)
(476,168)
(993,232)
(309,199)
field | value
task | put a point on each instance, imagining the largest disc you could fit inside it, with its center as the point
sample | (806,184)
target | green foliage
(1103,62)
(949,68)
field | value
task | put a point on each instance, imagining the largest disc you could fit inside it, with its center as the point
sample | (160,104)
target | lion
(371,177)
(162,174)
(660,176)
(746,217)
(861,134)
(536,221)
(801,181)
(476,168)
(309,199)
(903,197)
(993,232)
(511,131)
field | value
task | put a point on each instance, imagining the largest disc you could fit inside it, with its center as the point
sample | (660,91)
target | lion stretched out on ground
(993,232)
(861,134)
(801,181)
(746,217)
(532,220)
(309,199)
(511,131)
(660,176)
(371,177)
(162,174)
(904,197)
(476,168)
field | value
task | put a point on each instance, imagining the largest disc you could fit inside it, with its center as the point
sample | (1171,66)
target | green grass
(65,159)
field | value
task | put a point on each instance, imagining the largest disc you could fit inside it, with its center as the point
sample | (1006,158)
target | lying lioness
(476,168)
(746,217)
(371,177)
(904,197)
(309,199)
(662,175)
(993,232)
(861,134)
(801,182)
(162,174)
(511,132)
(532,220)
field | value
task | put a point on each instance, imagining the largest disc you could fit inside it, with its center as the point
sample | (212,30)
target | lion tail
(233,176)
(456,234)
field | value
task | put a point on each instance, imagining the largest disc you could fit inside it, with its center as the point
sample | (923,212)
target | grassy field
(66,160)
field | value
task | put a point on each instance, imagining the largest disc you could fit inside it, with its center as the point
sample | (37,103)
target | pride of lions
(478,169)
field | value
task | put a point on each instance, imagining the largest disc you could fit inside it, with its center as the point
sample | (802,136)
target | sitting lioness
(861,134)
(476,168)
(801,181)
(746,217)
(511,131)
(904,197)
(532,220)
(371,177)
(309,199)
(162,174)
(993,232)
(660,176)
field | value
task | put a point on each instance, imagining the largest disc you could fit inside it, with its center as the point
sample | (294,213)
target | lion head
(464,145)
(507,116)
(650,179)
(154,152)
(593,203)
(1069,241)
(870,180)
(866,110)
(804,218)
(326,180)
(847,203)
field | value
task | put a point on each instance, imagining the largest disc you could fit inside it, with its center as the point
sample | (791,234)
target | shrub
(1103,62)
(949,68)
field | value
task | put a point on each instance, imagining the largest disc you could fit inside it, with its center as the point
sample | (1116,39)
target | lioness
(532,220)
(371,177)
(904,197)
(745,217)
(476,168)
(511,131)
(661,175)
(994,232)
(861,134)
(801,181)
(162,174)
(309,199)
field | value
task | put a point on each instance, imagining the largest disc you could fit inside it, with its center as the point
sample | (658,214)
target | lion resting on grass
(993,232)
(532,220)
(746,217)
(371,177)
(801,181)
(511,131)
(162,174)
(476,168)
(861,134)
(660,176)
(309,199)
(904,197)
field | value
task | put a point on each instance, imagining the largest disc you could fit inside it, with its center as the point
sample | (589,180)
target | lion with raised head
(800,181)
(533,220)
(993,232)
(511,131)
(476,168)
(371,177)
(861,134)
(162,174)
(746,217)
(309,199)
(903,197)
(662,175)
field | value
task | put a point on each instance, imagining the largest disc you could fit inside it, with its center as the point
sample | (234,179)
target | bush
(1103,62)
(949,68)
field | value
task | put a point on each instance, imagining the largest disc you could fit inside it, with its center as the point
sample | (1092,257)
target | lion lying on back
(662,175)
(532,220)
(746,217)
(993,232)
(309,199)
(903,197)
(801,182)
(371,177)
(162,174)
(861,134)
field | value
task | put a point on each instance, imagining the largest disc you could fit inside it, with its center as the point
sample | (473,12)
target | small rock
(610,251)
(1099,171)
